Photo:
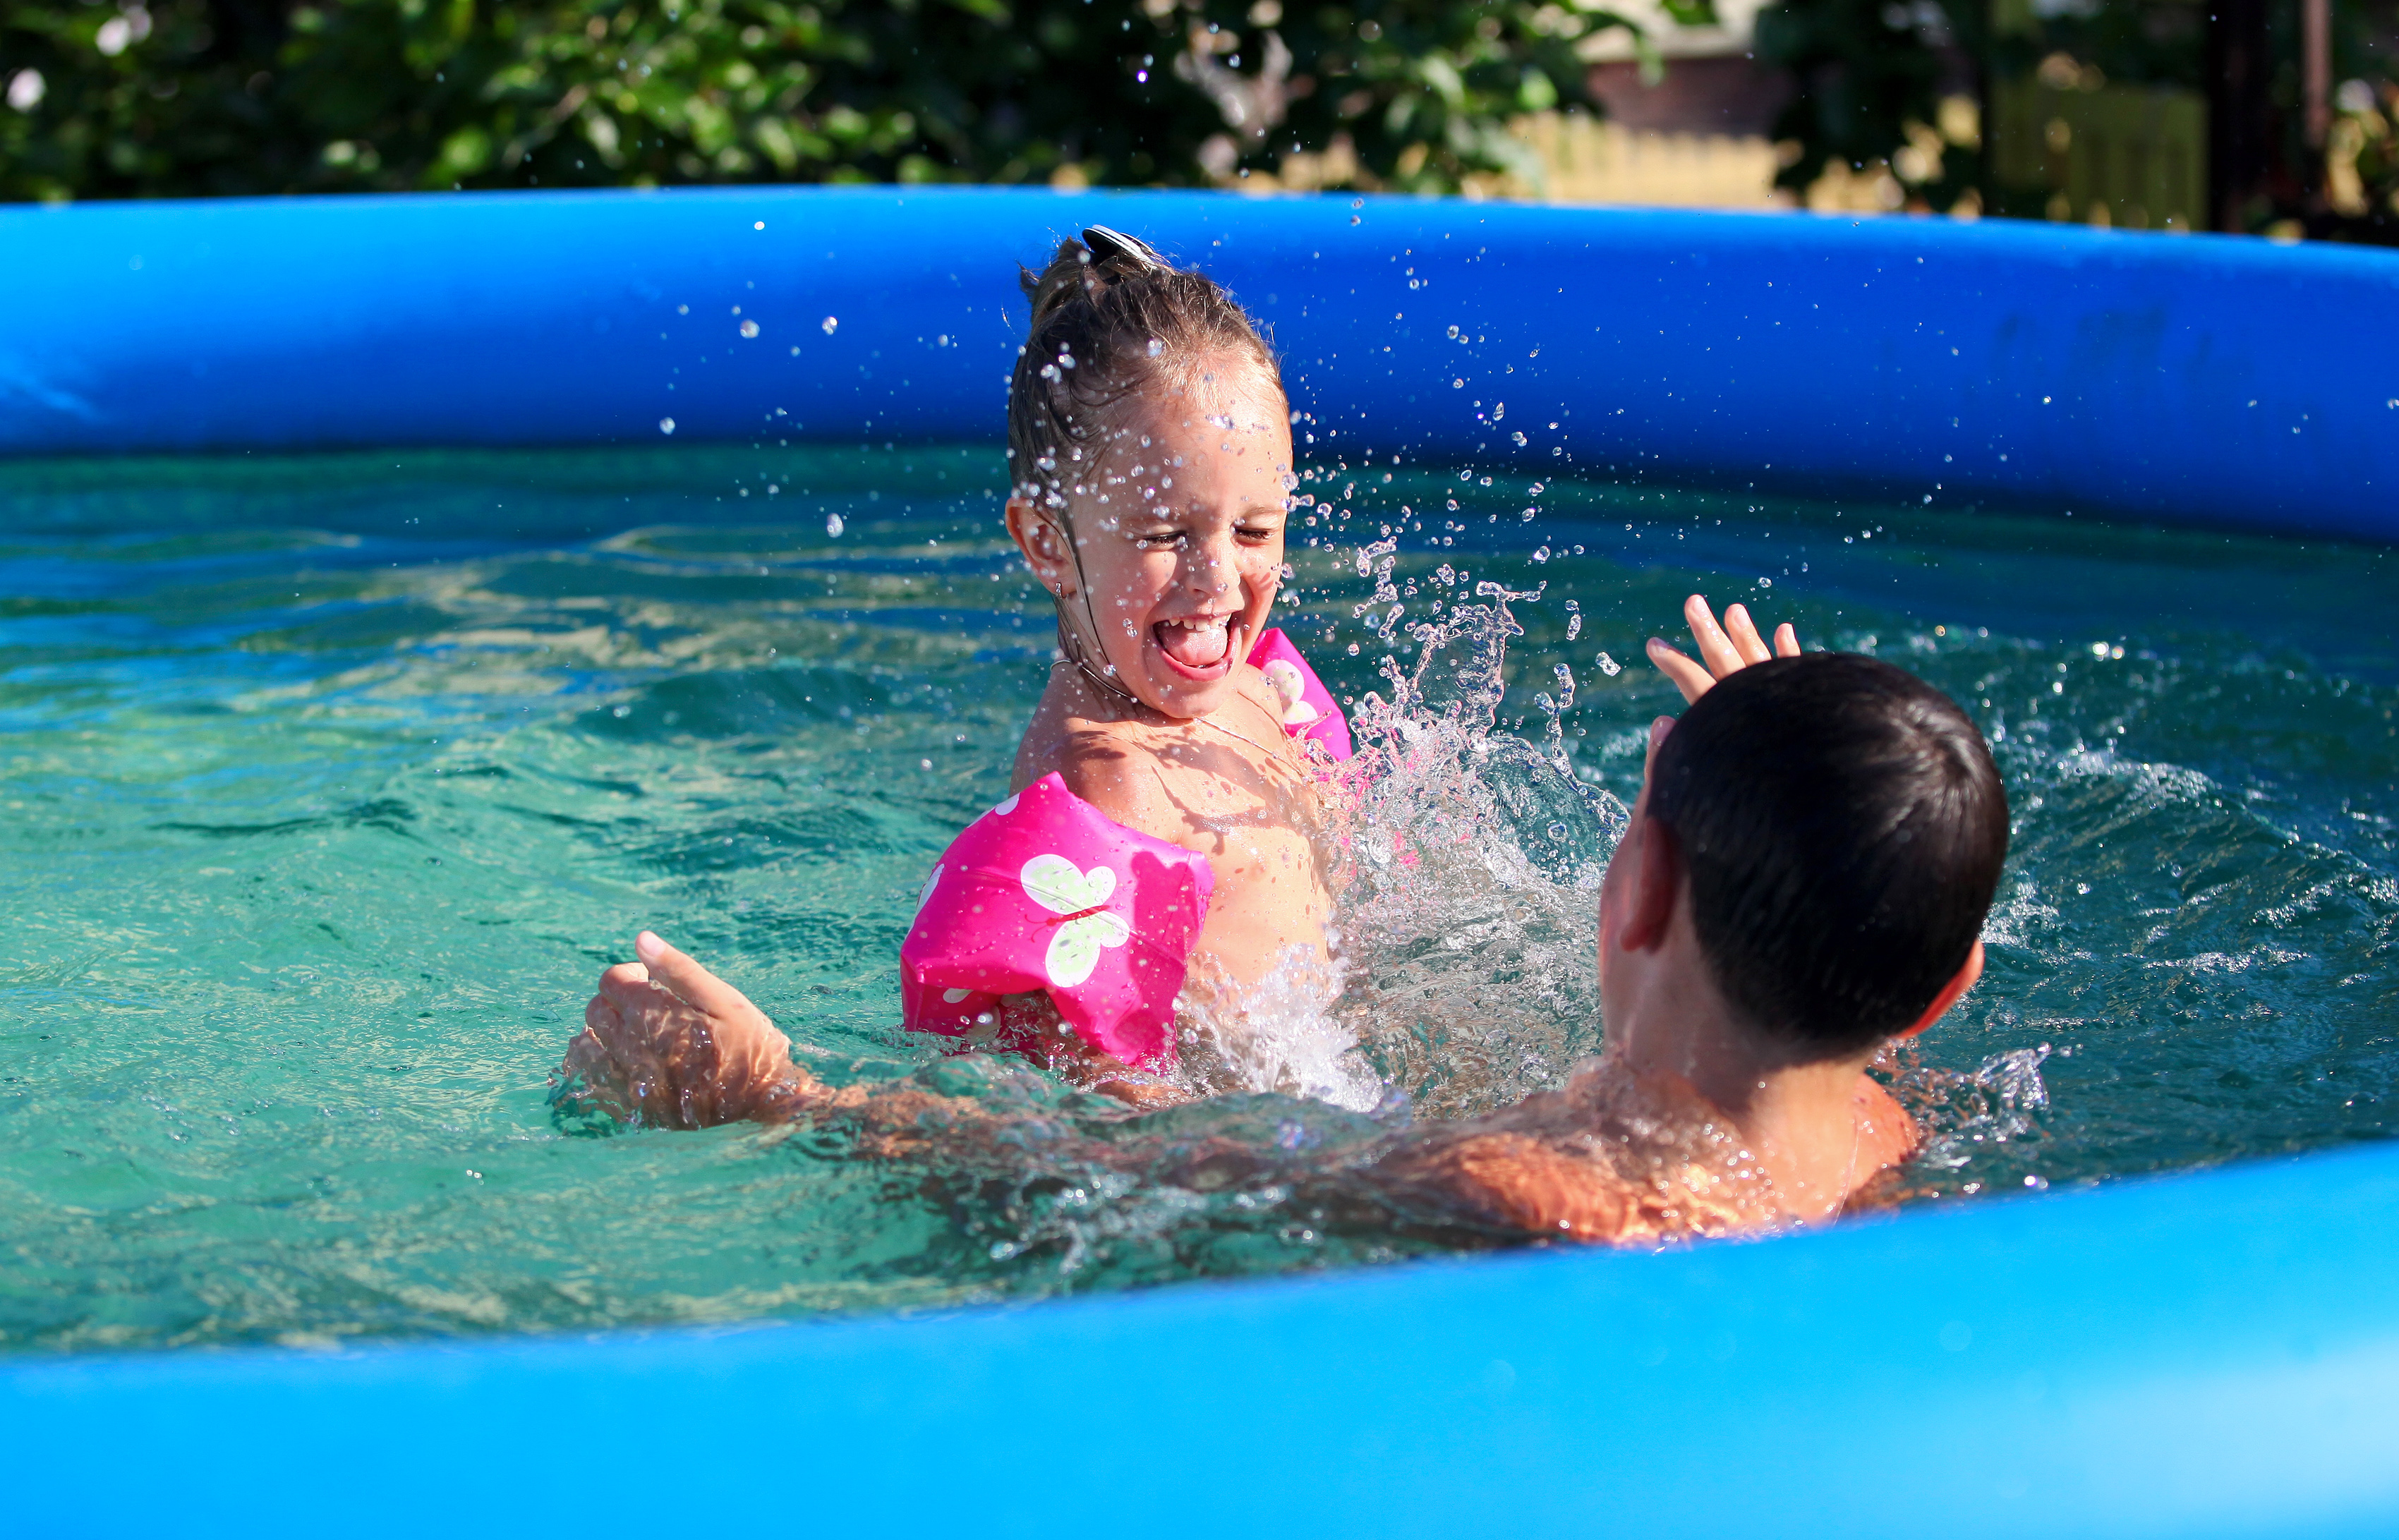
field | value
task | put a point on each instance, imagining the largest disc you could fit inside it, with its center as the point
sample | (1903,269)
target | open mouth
(1198,646)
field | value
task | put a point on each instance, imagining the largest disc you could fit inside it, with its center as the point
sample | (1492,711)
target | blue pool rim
(2191,379)
(2212,1353)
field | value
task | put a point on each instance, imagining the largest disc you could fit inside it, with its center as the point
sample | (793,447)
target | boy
(1803,881)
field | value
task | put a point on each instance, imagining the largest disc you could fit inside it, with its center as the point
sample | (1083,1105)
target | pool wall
(2187,379)
(2212,1353)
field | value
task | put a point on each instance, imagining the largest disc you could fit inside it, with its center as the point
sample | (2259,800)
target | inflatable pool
(2207,1352)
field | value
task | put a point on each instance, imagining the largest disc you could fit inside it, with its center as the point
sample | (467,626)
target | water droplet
(1610,667)
(749,329)
(1353,649)
(665,425)
(759,225)
(830,322)
(832,523)
(1574,626)
(1557,832)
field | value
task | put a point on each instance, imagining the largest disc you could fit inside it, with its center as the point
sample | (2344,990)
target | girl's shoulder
(1113,765)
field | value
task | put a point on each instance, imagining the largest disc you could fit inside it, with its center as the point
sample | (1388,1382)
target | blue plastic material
(2213,1354)
(2198,379)
(2209,1354)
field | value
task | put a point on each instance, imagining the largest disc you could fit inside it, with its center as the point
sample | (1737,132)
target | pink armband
(1308,708)
(1046,893)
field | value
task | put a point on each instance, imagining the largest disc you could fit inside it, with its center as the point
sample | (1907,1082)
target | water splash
(1466,868)
(1966,1115)
(1473,864)
(1280,1034)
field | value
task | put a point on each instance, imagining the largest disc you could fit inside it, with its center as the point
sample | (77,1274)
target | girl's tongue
(1196,643)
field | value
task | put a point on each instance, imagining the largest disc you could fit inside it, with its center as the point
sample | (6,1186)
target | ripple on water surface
(331,782)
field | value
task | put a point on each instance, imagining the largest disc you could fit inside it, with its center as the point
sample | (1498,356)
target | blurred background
(2272,117)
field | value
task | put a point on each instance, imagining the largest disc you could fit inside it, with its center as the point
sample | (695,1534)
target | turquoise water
(331,784)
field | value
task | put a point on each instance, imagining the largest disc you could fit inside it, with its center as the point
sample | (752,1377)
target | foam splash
(1468,863)
(1964,1115)
(1278,1034)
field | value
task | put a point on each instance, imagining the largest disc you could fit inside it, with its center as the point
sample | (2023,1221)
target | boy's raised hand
(1735,645)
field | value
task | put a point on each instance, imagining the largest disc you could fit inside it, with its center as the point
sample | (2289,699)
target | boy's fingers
(1743,632)
(582,1055)
(629,988)
(1715,648)
(689,982)
(1688,677)
(611,1034)
(1786,640)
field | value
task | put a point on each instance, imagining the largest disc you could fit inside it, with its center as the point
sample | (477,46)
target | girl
(1156,863)
(1149,441)
(1156,882)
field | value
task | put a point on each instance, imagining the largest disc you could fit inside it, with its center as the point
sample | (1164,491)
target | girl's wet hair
(1110,318)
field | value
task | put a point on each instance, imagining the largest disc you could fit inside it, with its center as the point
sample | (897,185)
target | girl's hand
(668,1043)
(1735,645)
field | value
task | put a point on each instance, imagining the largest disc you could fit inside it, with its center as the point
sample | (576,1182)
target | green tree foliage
(149,98)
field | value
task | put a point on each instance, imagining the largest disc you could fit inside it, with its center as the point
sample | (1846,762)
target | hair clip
(1106,243)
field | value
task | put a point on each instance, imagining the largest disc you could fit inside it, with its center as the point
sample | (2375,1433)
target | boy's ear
(1657,875)
(1658,863)
(1968,971)
(1044,545)
(1659,728)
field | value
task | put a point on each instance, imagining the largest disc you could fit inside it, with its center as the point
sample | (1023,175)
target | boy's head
(1840,828)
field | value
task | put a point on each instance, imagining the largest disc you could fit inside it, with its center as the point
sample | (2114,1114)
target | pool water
(331,783)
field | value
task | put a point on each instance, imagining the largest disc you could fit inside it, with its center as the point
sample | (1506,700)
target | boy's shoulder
(1565,1163)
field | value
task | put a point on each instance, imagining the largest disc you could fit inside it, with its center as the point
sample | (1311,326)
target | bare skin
(1734,645)
(1818,1130)
(1689,1124)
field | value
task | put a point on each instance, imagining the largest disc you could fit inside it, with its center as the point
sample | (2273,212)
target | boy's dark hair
(1843,827)
(1108,319)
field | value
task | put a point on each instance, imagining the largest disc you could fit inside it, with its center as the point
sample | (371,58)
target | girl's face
(1179,529)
